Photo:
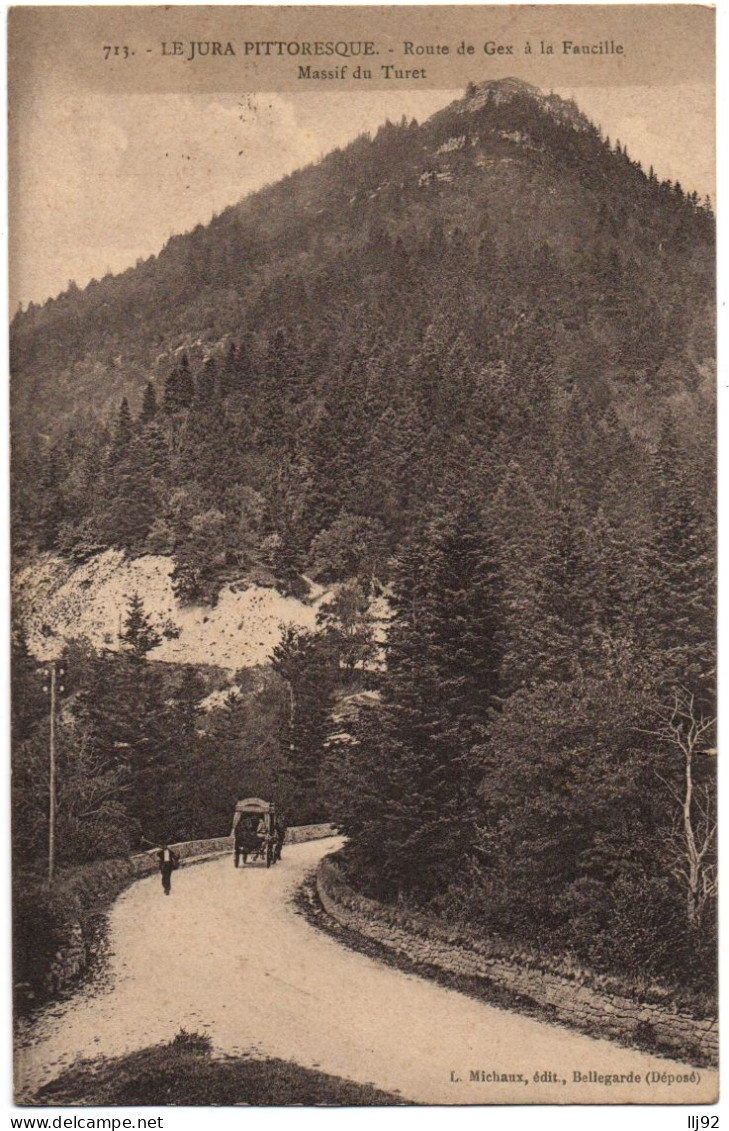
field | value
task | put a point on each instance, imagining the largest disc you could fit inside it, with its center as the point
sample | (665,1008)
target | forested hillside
(469,364)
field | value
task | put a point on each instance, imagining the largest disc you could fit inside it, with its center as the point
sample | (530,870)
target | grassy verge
(184,1072)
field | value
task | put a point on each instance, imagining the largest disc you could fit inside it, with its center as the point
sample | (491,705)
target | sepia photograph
(363,556)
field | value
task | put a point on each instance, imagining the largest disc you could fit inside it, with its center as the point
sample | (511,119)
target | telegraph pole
(52,779)
(53,687)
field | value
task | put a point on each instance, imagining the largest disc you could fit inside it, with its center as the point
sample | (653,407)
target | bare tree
(683,726)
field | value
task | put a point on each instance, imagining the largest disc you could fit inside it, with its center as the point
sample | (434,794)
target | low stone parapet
(420,939)
(300,833)
(191,851)
(196,851)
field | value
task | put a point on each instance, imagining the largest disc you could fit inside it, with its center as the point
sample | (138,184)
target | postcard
(363,553)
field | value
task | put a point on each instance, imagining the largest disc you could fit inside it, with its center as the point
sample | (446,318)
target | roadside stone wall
(196,851)
(300,833)
(190,851)
(89,890)
(567,998)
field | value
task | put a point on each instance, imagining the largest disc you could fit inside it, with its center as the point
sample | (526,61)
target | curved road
(227,954)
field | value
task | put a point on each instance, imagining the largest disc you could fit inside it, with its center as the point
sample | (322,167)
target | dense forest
(465,364)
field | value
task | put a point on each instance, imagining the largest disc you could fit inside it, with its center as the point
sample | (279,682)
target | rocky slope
(56,601)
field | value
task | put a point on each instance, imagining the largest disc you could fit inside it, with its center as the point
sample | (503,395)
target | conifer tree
(51,508)
(149,404)
(138,634)
(179,389)
(171,396)
(347,629)
(301,660)
(186,383)
(416,771)
(208,385)
(677,585)
(131,504)
(122,436)
(152,454)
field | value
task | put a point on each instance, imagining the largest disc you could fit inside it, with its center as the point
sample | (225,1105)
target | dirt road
(227,954)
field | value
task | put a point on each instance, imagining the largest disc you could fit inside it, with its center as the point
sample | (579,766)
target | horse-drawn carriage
(257,832)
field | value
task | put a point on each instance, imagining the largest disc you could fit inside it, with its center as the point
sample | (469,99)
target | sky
(104,180)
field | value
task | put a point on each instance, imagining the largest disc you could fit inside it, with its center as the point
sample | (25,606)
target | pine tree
(122,701)
(548,593)
(186,808)
(304,663)
(186,383)
(208,384)
(131,502)
(139,635)
(347,629)
(149,404)
(171,396)
(152,455)
(179,390)
(122,432)
(415,774)
(677,587)
(52,507)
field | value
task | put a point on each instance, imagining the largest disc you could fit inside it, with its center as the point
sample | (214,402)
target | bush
(43,923)
(56,931)
(197,1043)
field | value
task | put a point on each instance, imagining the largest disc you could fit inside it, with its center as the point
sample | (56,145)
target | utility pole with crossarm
(52,688)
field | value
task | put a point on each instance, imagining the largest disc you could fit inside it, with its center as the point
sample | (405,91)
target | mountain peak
(496,92)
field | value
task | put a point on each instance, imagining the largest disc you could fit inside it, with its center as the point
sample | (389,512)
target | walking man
(168,862)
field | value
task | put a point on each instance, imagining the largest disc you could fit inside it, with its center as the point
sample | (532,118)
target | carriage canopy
(254,807)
